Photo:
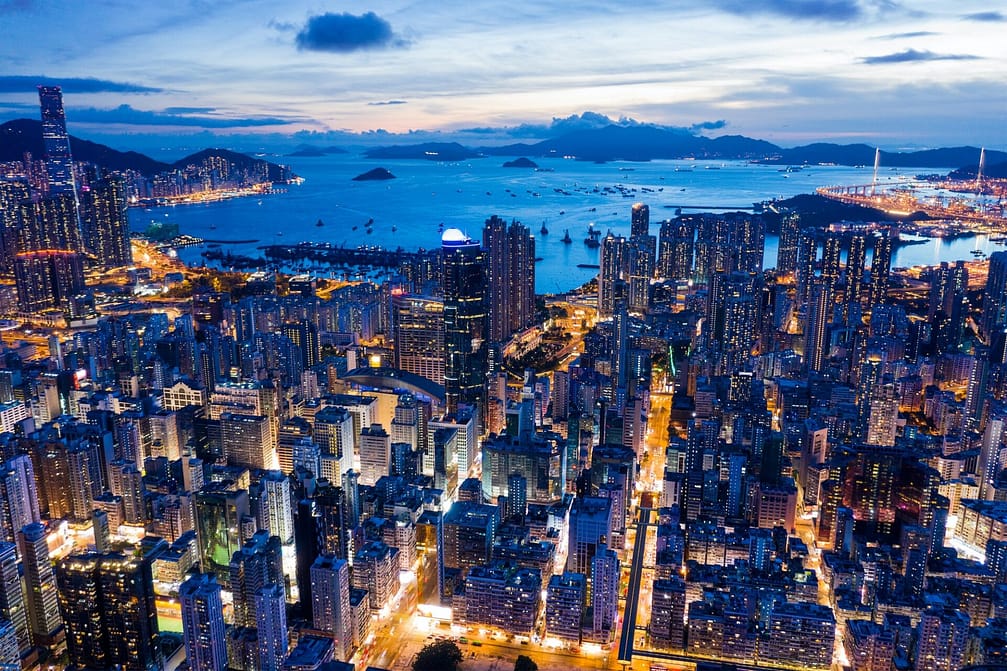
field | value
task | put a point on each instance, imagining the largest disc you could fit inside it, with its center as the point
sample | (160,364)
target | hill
(25,135)
(240,162)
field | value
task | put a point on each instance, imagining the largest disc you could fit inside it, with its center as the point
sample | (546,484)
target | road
(627,638)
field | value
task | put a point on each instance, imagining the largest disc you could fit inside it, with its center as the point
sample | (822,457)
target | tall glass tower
(58,160)
(464,319)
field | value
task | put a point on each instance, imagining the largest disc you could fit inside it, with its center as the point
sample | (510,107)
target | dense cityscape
(690,462)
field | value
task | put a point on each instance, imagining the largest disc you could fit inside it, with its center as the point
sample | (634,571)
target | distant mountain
(644,143)
(25,135)
(640,143)
(862,154)
(431,151)
(311,150)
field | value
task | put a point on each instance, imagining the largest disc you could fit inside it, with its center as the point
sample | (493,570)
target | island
(375,174)
(521,163)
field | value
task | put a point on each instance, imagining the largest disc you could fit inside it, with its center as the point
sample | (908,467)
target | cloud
(811,10)
(914,56)
(28,83)
(708,125)
(900,36)
(381,103)
(990,17)
(343,33)
(130,116)
(189,110)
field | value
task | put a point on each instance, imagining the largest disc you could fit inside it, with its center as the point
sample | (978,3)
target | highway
(626,640)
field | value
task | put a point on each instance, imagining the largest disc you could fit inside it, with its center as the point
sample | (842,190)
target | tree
(438,656)
(525,663)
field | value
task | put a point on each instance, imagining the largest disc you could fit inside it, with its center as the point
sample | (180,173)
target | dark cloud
(914,56)
(812,10)
(127,115)
(27,84)
(189,110)
(708,125)
(901,36)
(381,103)
(343,33)
(991,17)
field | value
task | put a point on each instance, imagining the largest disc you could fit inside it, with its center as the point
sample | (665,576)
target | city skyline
(787,71)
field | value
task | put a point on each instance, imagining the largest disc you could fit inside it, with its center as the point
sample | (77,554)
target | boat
(593,235)
(588,265)
(394,228)
(544,230)
(566,237)
(320,223)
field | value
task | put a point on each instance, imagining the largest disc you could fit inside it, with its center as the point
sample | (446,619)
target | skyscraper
(108,604)
(677,247)
(790,235)
(807,255)
(48,279)
(994,316)
(330,602)
(104,223)
(418,330)
(464,319)
(42,597)
(58,160)
(12,605)
(946,312)
(881,267)
(510,276)
(258,563)
(855,262)
(611,276)
(640,220)
(816,326)
(203,623)
(271,623)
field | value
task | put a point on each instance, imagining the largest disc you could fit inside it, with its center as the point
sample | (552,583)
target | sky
(910,74)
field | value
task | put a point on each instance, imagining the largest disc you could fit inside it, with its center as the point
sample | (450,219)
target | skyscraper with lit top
(58,159)
(464,284)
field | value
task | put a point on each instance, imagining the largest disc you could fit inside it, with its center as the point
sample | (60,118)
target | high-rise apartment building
(510,277)
(257,564)
(677,248)
(108,605)
(104,223)
(48,279)
(330,603)
(203,627)
(12,603)
(994,315)
(41,595)
(418,331)
(611,276)
(564,605)
(375,454)
(271,626)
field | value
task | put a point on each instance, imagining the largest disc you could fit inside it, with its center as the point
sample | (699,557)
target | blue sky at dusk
(898,74)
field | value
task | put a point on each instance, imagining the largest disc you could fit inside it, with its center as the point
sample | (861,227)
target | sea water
(563,195)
